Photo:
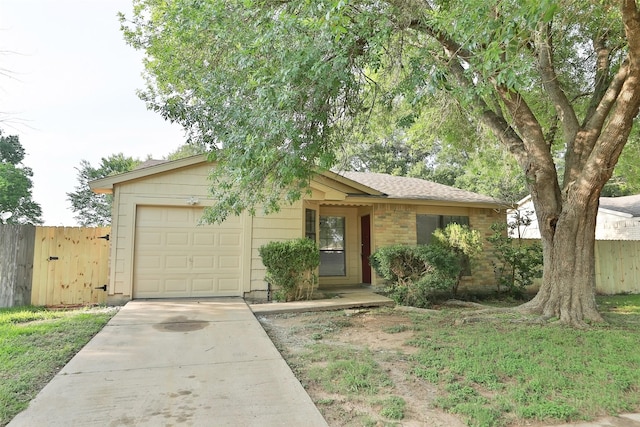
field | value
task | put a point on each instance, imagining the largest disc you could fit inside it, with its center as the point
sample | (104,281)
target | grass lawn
(495,372)
(500,372)
(34,344)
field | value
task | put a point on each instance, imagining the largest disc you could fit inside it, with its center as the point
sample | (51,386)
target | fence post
(16,264)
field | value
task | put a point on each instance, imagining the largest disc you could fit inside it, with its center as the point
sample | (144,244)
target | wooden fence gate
(70,266)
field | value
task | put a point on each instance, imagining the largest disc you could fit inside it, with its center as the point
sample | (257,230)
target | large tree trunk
(568,287)
(567,208)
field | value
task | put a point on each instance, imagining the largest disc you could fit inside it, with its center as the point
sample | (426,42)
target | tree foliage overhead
(438,143)
(274,87)
(186,150)
(626,175)
(92,209)
(15,184)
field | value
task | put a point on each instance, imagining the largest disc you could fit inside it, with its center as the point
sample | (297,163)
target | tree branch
(565,112)
(618,108)
(495,121)
(601,80)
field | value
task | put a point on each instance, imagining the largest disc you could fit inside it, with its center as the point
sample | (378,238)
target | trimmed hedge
(291,267)
(413,273)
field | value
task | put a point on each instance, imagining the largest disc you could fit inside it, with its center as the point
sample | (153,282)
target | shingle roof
(626,204)
(399,187)
(150,162)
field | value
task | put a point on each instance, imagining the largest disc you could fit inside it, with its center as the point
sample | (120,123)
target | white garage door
(174,257)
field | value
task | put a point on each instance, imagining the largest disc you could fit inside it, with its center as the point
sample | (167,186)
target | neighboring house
(159,250)
(618,218)
(617,246)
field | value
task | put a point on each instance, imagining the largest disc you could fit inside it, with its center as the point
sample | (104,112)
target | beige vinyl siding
(286,224)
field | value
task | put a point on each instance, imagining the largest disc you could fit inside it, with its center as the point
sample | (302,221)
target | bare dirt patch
(382,334)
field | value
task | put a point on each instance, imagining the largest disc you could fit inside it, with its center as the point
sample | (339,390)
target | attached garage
(160,249)
(175,257)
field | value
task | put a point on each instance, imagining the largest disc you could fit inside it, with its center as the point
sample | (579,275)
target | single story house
(159,250)
(618,218)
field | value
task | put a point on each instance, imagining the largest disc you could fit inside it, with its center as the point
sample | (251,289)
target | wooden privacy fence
(70,264)
(16,264)
(53,266)
(618,266)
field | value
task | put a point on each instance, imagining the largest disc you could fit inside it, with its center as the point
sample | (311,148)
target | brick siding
(396,224)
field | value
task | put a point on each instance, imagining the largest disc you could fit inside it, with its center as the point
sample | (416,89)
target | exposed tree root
(458,303)
(525,313)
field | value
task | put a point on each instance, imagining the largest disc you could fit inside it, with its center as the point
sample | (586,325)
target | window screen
(332,246)
(427,224)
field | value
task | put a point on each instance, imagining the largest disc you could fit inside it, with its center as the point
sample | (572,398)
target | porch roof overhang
(359,200)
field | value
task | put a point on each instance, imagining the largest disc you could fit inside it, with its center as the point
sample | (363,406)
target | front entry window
(310,224)
(332,246)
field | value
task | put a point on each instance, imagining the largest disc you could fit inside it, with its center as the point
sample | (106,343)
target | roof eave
(615,212)
(425,201)
(351,183)
(105,185)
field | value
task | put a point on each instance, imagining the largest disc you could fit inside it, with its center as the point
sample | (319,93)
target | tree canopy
(275,87)
(91,209)
(16,184)
(436,142)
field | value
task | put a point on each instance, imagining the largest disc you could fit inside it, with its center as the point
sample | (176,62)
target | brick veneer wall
(396,224)
(482,270)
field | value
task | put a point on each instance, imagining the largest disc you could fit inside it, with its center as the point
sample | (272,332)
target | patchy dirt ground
(381,333)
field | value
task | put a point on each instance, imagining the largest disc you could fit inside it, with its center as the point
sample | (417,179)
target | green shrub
(518,262)
(414,273)
(411,273)
(291,267)
(458,242)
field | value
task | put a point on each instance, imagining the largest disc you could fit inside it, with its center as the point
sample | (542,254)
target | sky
(70,94)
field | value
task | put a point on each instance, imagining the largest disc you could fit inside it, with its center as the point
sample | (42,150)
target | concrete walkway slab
(160,363)
(346,298)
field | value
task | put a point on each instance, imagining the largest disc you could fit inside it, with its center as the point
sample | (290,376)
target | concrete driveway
(186,362)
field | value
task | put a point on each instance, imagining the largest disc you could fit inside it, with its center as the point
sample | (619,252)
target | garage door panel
(177,238)
(149,285)
(173,262)
(206,262)
(229,262)
(204,239)
(178,216)
(203,285)
(150,262)
(150,217)
(149,239)
(175,257)
(228,284)
(230,239)
(175,285)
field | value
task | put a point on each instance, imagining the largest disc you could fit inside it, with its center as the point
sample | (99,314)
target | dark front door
(365,227)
